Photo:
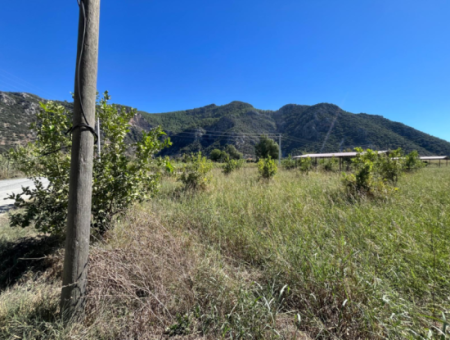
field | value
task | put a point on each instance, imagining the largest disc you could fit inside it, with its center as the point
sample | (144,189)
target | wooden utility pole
(80,188)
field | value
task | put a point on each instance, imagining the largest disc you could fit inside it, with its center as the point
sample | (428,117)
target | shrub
(305,165)
(215,155)
(232,165)
(219,156)
(233,152)
(267,167)
(195,173)
(390,166)
(223,156)
(266,148)
(372,173)
(167,171)
(184,158)
(289,163)
(118,179)
(330,164)
(412,161)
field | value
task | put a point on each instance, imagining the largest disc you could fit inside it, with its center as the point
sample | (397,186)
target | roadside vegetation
(290,258)
(119,179)
(8,170)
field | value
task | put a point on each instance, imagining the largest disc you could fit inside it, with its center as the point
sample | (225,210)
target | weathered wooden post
(80,187)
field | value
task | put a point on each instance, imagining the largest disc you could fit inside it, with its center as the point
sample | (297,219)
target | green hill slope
(322,127)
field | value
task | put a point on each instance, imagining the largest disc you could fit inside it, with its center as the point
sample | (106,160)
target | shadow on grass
(28,254)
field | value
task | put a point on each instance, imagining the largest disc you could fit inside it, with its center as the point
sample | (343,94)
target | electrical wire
(243,133)
(78,90)
(235,132)
(213,136)
(227,134)
(292,139)
(83,9)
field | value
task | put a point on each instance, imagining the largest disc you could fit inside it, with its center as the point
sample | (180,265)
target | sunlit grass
(289,258)
(367,268)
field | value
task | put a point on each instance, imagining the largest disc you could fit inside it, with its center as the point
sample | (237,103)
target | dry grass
(146,282)
(140,280)
(250,259)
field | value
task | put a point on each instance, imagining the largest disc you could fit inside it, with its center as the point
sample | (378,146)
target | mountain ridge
(304,128)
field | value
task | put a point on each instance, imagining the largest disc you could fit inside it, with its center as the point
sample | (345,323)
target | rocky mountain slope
(322,127)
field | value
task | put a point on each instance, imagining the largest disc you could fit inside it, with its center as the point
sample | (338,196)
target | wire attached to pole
(86,123)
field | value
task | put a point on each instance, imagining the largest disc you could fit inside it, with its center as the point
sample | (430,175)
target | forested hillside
(322,127)
(303,128)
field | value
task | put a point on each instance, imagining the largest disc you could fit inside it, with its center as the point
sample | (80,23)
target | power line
(293,139)
(192,136)
(242,133)
(230,133)
(7,76)
(221,135)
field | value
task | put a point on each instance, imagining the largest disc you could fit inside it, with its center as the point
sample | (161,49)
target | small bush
(289,163)
(195,173)
(168,170)
(390,166)
(222,156)
(233,152)
(412,161)
(372,173)
(267,167)
(218,155)
(362,180)
(232,165)
(305,165)
(330,164)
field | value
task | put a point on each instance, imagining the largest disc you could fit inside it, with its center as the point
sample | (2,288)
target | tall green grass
(355,269)
(291,258)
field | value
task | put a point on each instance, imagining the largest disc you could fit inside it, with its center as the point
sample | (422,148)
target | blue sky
(385,57)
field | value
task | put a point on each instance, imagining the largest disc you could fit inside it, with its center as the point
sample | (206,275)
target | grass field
(292,258)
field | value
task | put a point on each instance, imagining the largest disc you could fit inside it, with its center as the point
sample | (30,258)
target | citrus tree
(195,174)
(123,175)
(232,165)
(413,161)
(267,168)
